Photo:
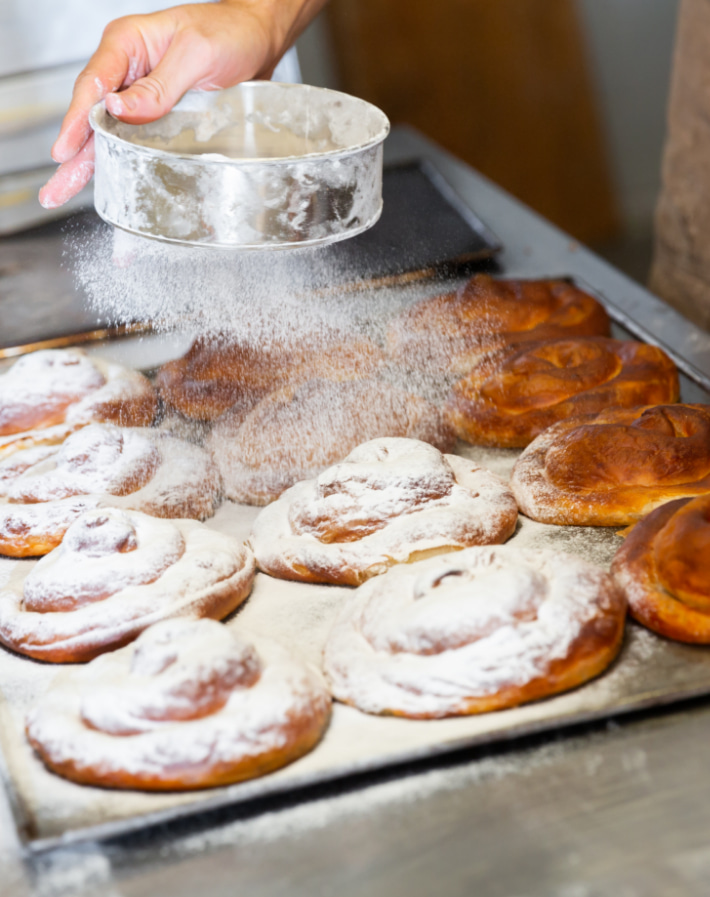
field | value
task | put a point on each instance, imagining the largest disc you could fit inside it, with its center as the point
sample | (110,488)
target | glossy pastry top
(663,568)
(512,396)
(452,332)
(614,467)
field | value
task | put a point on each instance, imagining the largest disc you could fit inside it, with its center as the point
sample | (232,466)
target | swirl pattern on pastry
(663,569)
(299,430)
(217,373)
(453,332)
(44,489)
(188,705)
(390,501)
(615,467)
(478,630)
(509,399)
(47,394)
(114,574)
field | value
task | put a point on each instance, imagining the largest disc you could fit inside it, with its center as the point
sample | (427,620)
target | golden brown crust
(189,705)
(452,332)
(663,569)
(510,398)
(613,468)
(299,430)
(217,374)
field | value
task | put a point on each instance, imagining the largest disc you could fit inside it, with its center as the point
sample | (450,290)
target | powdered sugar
(424,639)
(390,501)
(261,716)
(102,465)
(102,553)
(75,610)
(56,386)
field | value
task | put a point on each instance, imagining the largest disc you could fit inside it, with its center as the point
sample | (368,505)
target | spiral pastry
(43,489)
(299,430)
(47,394)
(478,630)
(391,501)
(217,374)
(188,705)
(509,399)
(453,332)
(615,467)
(662,567)
(114,574)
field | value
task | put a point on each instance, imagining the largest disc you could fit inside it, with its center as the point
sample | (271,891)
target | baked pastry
(44,489)
(452,332)
(55,391)
(390,501)
(478,630)
(189,704)
(663,569)
(114,574)
(299,430)
(510,398)
(613,468)
(218,373)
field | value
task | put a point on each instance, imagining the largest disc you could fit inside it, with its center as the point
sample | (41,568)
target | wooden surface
(503,84)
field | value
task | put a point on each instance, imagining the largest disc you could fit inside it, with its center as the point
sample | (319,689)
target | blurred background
(561,102)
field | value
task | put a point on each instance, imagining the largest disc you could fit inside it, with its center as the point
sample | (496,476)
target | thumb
(154,95)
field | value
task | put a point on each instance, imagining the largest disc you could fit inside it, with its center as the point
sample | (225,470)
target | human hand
(145,63)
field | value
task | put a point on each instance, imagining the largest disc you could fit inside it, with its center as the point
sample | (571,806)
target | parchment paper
(649,670)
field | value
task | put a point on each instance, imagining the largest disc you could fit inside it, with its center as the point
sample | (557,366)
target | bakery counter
(611,807)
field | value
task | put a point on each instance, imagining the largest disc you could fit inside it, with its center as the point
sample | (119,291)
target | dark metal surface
(618,809)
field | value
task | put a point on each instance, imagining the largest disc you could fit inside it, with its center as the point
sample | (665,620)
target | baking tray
(425,230)
(49,811)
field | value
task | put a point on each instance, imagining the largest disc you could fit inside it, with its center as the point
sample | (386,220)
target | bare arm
(145,63)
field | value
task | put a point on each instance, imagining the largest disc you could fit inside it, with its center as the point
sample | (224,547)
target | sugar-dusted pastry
(452,332)
(390,501)
(613,468)
(47,394)
(299,430)
(478,630)
(114,574)
(218,373)
(511,397)
(44,489)
(190,704)
(663,569)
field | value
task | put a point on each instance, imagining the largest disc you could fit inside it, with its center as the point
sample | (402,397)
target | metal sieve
(262,165)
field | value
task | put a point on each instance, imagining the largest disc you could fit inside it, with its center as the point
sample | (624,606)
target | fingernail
(59,154)
(129,101)
(114,105)
(45,201)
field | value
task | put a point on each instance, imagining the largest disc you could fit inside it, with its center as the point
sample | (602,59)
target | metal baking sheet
(49,811)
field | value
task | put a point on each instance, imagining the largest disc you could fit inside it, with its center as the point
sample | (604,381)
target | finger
(69,178)
(119,54)
(186,62)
